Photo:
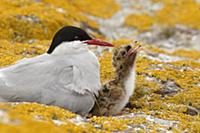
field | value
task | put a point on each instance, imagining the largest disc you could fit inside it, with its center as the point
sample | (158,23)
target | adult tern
(66,76)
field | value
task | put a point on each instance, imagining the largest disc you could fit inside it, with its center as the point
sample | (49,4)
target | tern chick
(115,94)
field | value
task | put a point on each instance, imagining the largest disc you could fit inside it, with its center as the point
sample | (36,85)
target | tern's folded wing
(55,82)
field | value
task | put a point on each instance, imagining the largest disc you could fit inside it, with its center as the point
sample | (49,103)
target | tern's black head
(67,34)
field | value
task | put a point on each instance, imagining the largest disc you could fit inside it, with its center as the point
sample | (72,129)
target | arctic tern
(66,76)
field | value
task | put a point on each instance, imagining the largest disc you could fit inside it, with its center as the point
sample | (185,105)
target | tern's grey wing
(44,79)
(26,80)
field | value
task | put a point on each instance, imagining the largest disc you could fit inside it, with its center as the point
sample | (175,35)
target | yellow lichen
(109,123)
(106,67)
(42,112)
(194,54)
(184,12)
(187,53)
(120,42)
(11,52)
(103,9)
(23,20)
(140,21)
(32,117)
(115,124)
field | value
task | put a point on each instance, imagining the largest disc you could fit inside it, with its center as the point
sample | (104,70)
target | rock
(191,111)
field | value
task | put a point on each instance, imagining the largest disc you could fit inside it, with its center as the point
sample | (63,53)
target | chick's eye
(128,47)
(123,53)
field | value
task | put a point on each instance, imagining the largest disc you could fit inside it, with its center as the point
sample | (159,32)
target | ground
(167,96)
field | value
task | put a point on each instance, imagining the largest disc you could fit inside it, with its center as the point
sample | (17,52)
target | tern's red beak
(98,43)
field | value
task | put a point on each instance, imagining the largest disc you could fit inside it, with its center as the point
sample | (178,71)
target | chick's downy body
(114,95)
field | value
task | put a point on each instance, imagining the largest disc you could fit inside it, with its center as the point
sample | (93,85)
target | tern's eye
(76,37)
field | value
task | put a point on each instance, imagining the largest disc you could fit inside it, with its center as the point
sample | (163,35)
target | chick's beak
(98,43)
(133,51)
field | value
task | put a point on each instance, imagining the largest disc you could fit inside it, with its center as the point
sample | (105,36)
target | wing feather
(51,80)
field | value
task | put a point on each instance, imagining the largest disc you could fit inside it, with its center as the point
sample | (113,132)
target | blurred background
(166,23)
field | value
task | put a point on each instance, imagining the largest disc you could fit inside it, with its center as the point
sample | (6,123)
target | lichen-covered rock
(172,13)
(167,96)
(21,20)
